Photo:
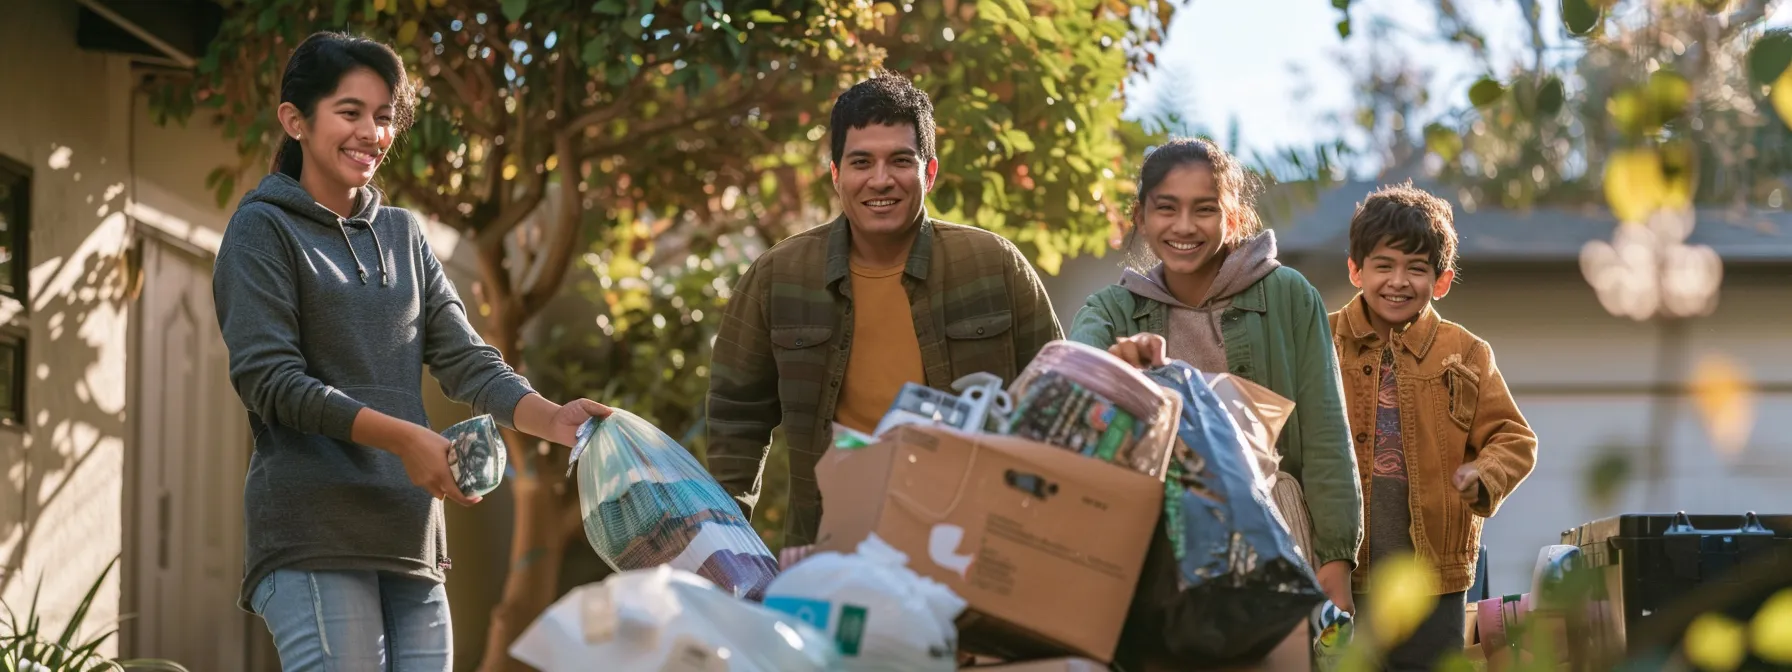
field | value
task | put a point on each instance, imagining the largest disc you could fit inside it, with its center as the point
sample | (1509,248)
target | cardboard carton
(1045,545)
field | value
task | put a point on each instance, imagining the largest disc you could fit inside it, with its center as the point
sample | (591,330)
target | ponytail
(290,158)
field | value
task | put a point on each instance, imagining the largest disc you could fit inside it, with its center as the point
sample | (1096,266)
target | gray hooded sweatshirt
(324,316)
(1195,335)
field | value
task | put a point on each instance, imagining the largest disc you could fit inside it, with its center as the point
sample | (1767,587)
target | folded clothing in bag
(1223,582)
(647,502)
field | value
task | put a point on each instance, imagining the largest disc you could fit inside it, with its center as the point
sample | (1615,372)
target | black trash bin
(1648,561)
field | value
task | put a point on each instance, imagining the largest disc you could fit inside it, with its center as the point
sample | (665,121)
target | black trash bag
(1223,583)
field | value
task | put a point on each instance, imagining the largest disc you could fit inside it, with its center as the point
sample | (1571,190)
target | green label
(852,629)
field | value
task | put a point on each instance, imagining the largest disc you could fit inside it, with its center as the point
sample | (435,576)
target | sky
(1247,59)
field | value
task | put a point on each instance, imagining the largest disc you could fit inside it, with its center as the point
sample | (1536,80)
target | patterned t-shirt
(1390,514)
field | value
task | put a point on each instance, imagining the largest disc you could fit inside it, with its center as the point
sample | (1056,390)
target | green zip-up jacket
(1276,334)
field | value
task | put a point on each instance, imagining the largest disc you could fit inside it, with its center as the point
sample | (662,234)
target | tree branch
(615,110)
(563,232)
(419,194)
(458,85)
(745,99)
(497,289)
(1743,17)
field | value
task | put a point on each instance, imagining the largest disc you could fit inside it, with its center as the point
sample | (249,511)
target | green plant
(24,648)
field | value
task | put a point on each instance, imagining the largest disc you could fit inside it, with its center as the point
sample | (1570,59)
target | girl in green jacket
(1215,296)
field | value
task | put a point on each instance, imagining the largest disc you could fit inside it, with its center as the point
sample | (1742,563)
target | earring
(297,136)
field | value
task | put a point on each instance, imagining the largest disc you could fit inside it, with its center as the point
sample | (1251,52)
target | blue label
(813,612)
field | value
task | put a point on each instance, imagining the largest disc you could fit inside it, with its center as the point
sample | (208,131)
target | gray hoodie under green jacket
(324,316)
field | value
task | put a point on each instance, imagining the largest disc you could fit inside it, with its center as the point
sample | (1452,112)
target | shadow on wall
(61,495)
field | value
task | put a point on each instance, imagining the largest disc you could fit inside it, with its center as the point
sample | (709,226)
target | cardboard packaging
(1044,544)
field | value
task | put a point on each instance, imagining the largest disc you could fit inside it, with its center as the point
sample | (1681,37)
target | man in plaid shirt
(827,326)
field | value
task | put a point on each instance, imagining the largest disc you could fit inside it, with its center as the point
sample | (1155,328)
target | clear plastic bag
(663,619)
(476,455)
(646,502)
(881,614)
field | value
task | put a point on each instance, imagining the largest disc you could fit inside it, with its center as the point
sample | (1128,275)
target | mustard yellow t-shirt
(885,351)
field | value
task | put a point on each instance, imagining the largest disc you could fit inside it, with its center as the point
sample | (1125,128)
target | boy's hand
(1468,484)
(1334,580)
(1141,350)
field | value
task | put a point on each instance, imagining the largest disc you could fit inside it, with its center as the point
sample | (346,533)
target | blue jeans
(356,621)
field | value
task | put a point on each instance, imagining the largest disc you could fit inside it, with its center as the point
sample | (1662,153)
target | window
(15,229)
(12,377)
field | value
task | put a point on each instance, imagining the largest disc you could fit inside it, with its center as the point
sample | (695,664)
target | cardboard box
(1054,665)
(1045,545)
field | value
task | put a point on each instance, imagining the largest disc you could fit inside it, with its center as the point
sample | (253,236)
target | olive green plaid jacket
(786,334)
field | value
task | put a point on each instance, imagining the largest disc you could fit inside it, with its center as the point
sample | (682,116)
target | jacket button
(1367,369)
(979,331)
(834,383)
(1362,438)
(799,343)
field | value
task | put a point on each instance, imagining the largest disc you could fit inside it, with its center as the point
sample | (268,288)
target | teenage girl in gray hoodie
(331,304)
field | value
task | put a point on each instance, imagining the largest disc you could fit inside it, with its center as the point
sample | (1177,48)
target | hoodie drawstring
(385,276)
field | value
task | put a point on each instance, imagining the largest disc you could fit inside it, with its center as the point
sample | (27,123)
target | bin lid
(1651,525)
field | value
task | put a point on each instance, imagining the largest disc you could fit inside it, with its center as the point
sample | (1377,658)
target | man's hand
(1468,484)
(563,428)
(425,456)
(1334,579)
(1144,351)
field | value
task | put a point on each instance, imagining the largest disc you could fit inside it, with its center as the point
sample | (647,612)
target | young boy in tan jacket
(1440,439)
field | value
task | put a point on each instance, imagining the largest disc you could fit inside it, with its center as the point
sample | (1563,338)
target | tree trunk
(538,535)
(537,543)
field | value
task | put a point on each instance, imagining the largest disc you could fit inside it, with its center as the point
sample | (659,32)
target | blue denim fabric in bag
(1223,583)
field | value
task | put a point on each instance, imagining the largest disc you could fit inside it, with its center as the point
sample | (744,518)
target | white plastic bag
(668,620)
(880,614)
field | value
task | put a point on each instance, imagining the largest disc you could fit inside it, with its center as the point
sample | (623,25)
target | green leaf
(765,16)
(945,197)
(1443,141)
(1668,93)
(594,51)
(226,187)
(610,7)
(513,9)
(1580,17)
(1769,56)
(992,11)
(1344,29)
(268,20)
(1485,92)
(693,12)
(1019,140)
(1550,97)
